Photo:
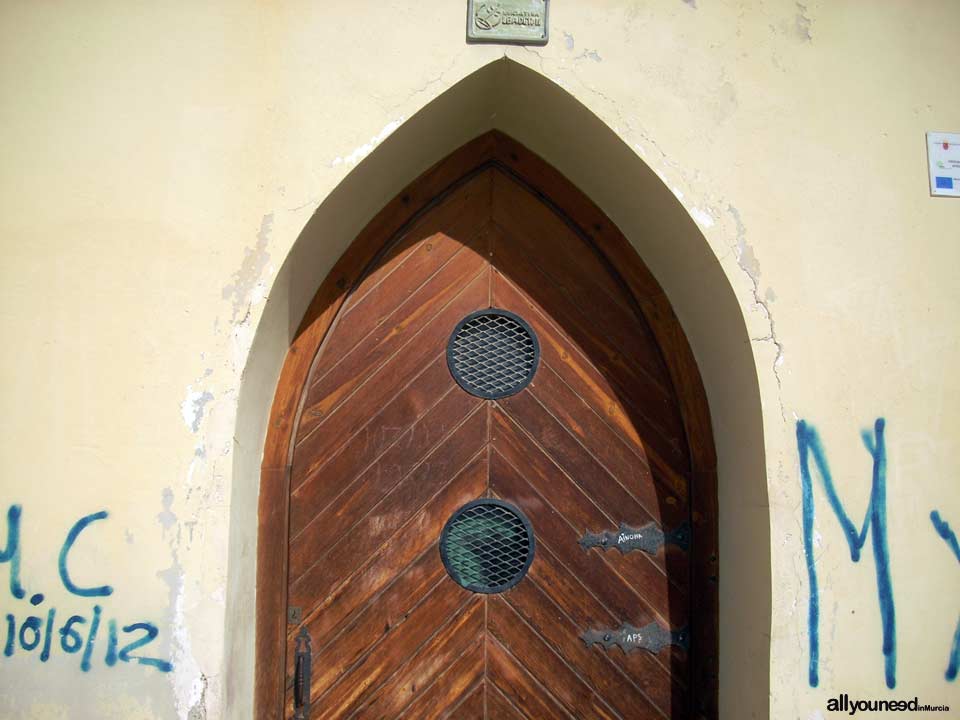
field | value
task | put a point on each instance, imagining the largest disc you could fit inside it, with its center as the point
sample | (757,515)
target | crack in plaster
(429,83)
(706,218)
(589,55)
(747,261)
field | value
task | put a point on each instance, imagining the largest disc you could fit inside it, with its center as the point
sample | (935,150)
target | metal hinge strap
(649,538)
(652,637)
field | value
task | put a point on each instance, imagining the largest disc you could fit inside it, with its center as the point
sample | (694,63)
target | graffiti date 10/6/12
(77,633)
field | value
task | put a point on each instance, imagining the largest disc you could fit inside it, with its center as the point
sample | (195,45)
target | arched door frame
(586,219)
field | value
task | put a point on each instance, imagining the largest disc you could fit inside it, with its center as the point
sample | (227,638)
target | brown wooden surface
(372,446)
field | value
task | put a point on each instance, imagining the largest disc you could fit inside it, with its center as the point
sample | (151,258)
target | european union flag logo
(944,183)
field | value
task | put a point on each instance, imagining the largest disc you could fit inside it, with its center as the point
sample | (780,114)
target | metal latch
(301,677)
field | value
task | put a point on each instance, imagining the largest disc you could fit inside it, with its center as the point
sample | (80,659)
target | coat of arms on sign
(518,22)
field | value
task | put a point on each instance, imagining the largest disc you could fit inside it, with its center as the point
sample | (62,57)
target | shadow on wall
(551,122)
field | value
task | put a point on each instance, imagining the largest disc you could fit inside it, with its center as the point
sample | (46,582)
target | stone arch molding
(525,105)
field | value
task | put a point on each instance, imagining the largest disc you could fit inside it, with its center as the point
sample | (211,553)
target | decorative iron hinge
(649,538)
(650,637)
(301,677)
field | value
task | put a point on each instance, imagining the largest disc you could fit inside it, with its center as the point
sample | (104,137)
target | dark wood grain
(453,684)
(448,607)
(462,635)
(455,216)
(510,676)
(553,672)
(372,446)
(342,646)
(419,534)
(652,675)
(448,462)
(587,509)
(404,420)
(499,706)
(597,572)
(576,270)
(636,420)
(424,454)
(547,619)
(470,708)
(421,324)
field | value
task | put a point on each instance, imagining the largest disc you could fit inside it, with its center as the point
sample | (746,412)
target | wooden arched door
(489,336)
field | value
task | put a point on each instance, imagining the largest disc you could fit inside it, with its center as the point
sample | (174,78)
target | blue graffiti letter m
(808,443)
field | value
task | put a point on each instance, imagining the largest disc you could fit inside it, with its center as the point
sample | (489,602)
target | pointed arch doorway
(572,400)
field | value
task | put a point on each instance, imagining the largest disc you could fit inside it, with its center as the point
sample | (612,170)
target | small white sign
(943,152)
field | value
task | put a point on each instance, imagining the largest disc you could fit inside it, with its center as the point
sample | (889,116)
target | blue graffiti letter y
(946,532)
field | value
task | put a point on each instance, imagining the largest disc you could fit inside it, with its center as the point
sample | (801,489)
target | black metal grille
(487,546)
(493,353)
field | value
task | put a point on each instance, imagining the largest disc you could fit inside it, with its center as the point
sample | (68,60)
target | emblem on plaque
(518,22)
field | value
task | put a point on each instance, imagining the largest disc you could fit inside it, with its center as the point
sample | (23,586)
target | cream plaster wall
(159,168)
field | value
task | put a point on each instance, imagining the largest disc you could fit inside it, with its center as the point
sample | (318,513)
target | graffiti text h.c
(35,633)
(874,522)
(11,554)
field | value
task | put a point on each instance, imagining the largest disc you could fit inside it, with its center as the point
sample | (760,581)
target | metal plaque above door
(516,22)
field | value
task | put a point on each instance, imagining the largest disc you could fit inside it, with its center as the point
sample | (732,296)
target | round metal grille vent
(493,353)
(487,546)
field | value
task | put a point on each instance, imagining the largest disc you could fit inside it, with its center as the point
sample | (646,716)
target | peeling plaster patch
(568,40)
(254,261)
(192,407)
(128,536)
(361,152)
(691,3)
(803,24)
(199,709)
(747,259)
(702,217)
(725,102)
(187,688)
(166,518)
(816,715)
